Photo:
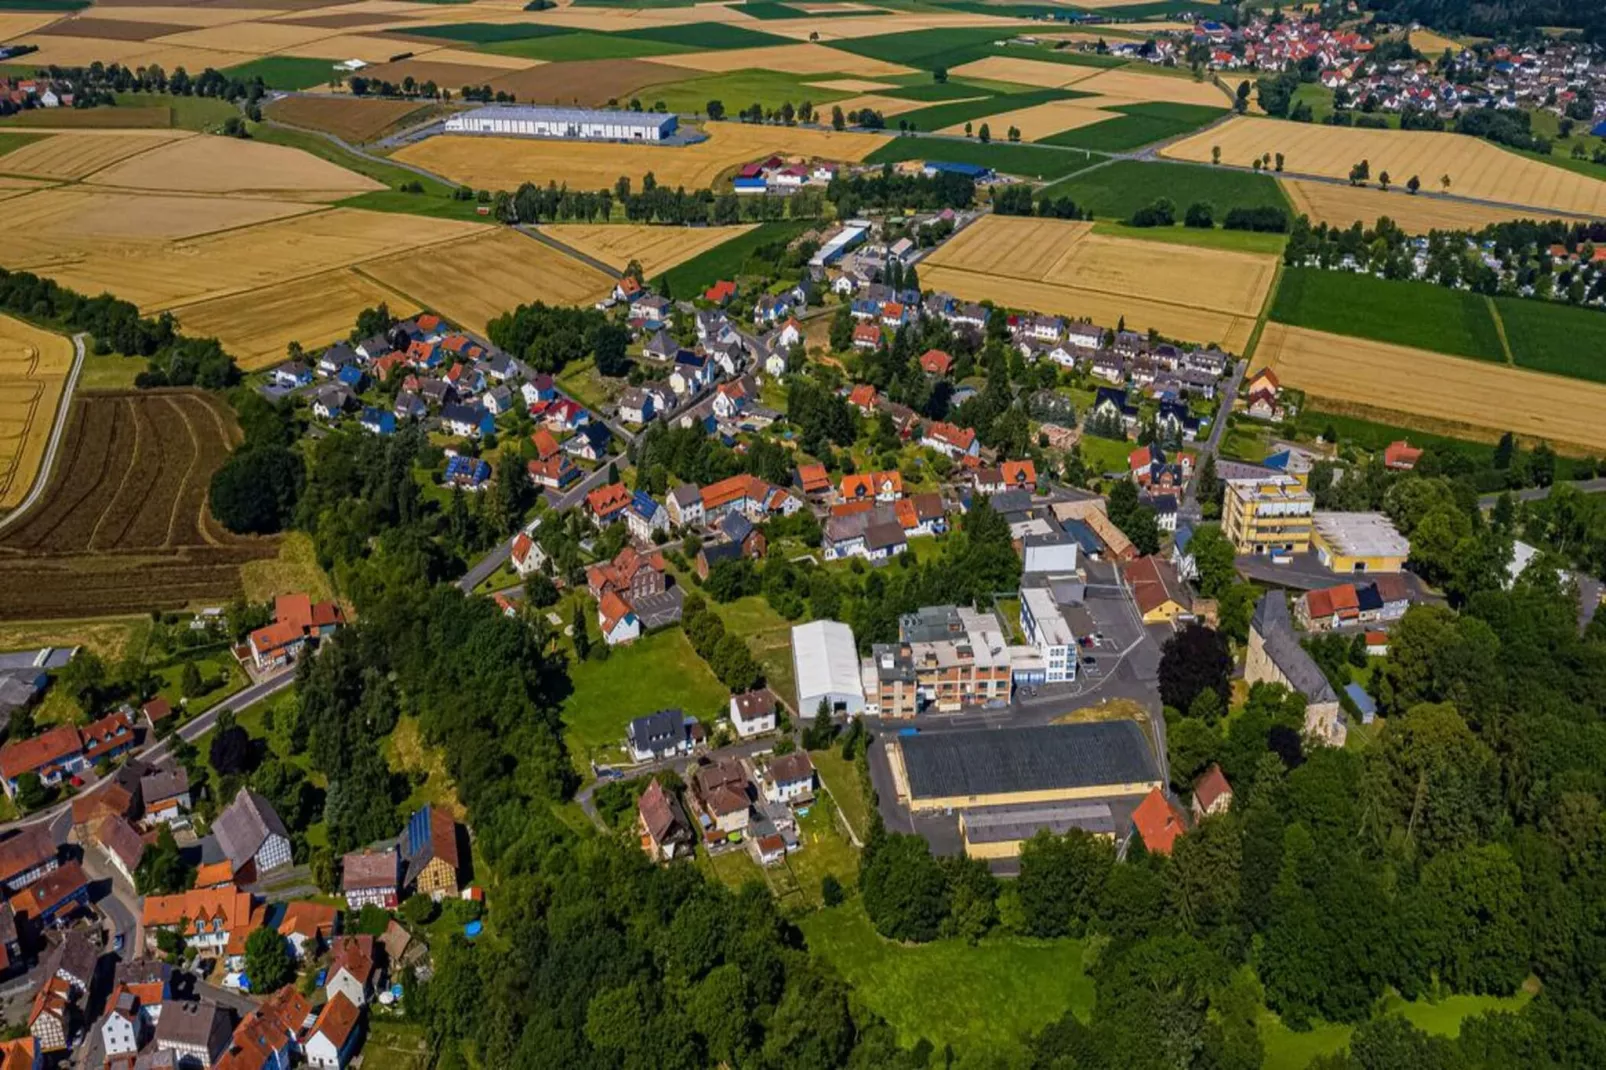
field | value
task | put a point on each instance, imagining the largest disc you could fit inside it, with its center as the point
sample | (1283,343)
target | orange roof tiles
(337,1020)
(605,501)
(1158,822)
(46,749)
(813,478)
(614,609)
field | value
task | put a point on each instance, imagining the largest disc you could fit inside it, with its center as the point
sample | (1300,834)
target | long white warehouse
(590,124)
(827,667)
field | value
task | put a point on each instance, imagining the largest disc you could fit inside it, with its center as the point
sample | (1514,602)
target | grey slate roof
(1035,758)
(1276,630)
(245,826)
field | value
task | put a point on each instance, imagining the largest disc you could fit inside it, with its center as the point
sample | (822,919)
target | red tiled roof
(1210,787)
(45,749)
(614,609)
(337,1020)
(935,362)
(1158,822)
(813,478)
(1019,473)
(605,501)
(545,444)
(959,437)
(863,396)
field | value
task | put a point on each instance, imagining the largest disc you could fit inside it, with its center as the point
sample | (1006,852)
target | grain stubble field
(33,370)
(1479,399)
(124,526)
(656,248)
(1201,295)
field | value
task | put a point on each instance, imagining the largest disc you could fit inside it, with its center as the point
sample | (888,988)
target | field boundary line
(47,463)
(572,253)
(184,135)
(178,498)
(1074,288)
(128,470)
(22,439)
(397,290)
(1265,313)
(1500,330)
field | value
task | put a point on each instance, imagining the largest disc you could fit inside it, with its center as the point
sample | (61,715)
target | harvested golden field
(82,51)
(1041,120)
(205,164)
(171,57)
(1204,295)
(505,163)
(1456,394)
(454,280)
(191,15)
(33,369)
(1343,205)
(161,275)
(14,24)
(657,248)
(792,59)
(887,107)
(1045,74)
(257,326)
(79,220)
(1431,44)
(352,119)
(1139,86)
(256,37)
(77,154)
(1475,168)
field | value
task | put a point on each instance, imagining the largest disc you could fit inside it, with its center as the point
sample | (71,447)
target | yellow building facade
(1268,515)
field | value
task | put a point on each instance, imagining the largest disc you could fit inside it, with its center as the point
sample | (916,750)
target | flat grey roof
(537,113)
(1005,824)
(1036,758)
(1361,534)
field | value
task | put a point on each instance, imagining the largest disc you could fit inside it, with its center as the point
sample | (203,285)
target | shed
(827,666)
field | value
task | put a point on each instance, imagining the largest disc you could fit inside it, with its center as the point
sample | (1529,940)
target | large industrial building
(1007,783)
(585,124)
(827,666)
(1359,542)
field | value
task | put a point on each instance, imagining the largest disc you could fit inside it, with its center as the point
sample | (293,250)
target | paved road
(544,238)
(58,429)
(1191,510)
(1534,494)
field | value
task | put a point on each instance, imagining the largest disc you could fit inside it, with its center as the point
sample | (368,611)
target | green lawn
(286,72)
(1318,96)
(825,851)
(108,371)
(769,636)
(1419,314)
(1032,161)
(581,381)
(1243,241)
(1121,188)
(1556,338)
(727,260)
(218,668)
(1106,454)
(841,779)
(731,868)
(741,89)
(1140,124)
(1288,1050)
(655,672)
(983,1000)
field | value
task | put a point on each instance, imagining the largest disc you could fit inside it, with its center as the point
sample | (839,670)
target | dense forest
(1503,19)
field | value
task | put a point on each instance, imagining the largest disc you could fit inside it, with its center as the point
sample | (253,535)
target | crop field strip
(1118,189)
(1480,399)
(351,119)
(1476,168)
(123,525)
(1202,295)
(1420,315)
(656,248)
(33,369)
(1014,159)
(1340,206)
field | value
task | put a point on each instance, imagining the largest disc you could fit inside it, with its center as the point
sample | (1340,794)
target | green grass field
(1551,337)
(939,116)
(10,142)
(485,33)
(841,779)
(937,92)
(739,89)
(1418,314)
(1103,455)
(703,36)
(1031,161)
(1140,124)
(1373,436)
(926,49)
(983,1000)
(727,260)
(769,636)
(286,72)
(572,46)
(43,5)
(1121,188)
(1288,1050)
(656,672)
(1243,241)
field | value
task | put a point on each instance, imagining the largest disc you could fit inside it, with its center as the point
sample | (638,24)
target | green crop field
(286,72)
(992,994)
(10,142)
(703,36)
(575,46)
(726,261)
(485,33)
(1121,188)
(765,11)
(939,116)
(1551,337)
(937,92)
(1013,159)
(926,49)
(1418,314)
(740,89)
(1140,124)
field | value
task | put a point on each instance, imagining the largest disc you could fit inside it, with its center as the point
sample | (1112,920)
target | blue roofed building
(948,167)
(378,421)
(470,473)
(1363,702)
(643,516)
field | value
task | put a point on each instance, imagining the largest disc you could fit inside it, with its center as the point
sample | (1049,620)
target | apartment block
(1268,515)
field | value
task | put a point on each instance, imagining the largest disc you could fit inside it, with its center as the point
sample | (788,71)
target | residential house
(935,362)
(720,797)
(1112,409)
(789,334)
(590,443)
(120,844)
(771,309)
(297,622)
(409,406)
(124,1029)
(1174,423)
(307,927)
(563,416)
(197,1033)
(334,1037)
(330,401)
(685,506)
(371,878)
(1011,475)
(631,573)
(607,504)
(338,356)
(1165,508)
(466,473)
(214,921)
(665,832)
(872,486)
(1158,821)
(866,336)
(353,969)
(692,373)
(252,837)
(636,406)
(1160,594)
(292,375)
(430,856)
(109,737)
(658,735)
(1182,558)
(1401,456)
(752,713)
(554,473)
(650,309)
(27,856)
(1211,793)
(53,754)
(526,555)
(59,894)
(788,779)
(377,421)
(498,401)
(617,619)
(955,442)
(52,1015)
(921,514)
(1085,337)
(538,389)
(731,398)
(1109,366)
(719,294)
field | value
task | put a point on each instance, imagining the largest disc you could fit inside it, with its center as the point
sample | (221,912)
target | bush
(419,910)
(1162,213)
(831,892)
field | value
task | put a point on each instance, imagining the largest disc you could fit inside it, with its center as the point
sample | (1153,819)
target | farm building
(977,172)
(853,233)
(827,665)
(588,124)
